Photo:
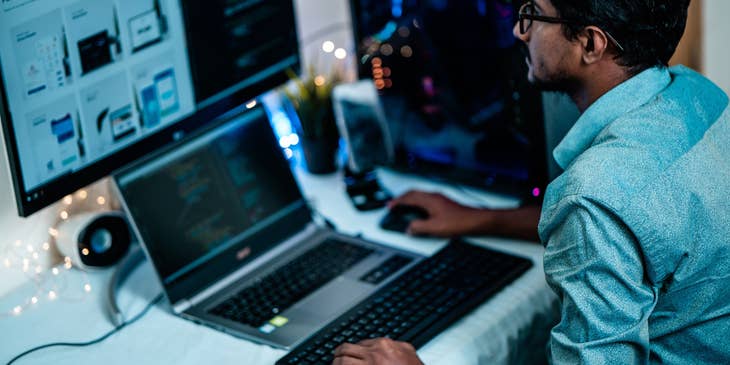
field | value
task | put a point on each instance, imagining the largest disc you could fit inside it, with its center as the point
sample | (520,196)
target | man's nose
(516,32)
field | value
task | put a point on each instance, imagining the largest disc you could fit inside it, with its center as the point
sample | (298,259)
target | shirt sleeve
(593,263)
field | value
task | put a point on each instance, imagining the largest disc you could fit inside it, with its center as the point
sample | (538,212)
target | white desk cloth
(510,328)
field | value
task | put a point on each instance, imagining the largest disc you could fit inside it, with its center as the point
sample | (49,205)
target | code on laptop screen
(199,199)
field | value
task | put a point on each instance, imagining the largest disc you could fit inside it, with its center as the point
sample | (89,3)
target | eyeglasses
(528,14)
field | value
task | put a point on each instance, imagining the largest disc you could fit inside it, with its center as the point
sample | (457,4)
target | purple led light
(536,192)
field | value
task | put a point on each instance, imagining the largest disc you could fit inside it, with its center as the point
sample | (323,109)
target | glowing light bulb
(340,53)
(53,232)
(38,269)
(63,215)
(328,46)
(320,80)
(288,152)
(34,300)
(85,251)
(386,49)
(87,287)
(35,255)
(54,271)
(30,248)
(52,295)
(67,265)
(251,104)
(101,200)
(284,142)
(404,32)
(46,246)
(406,51)
(68,200)
(17,310)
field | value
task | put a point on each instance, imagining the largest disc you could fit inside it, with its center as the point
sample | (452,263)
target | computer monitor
(452,81)
(87,86)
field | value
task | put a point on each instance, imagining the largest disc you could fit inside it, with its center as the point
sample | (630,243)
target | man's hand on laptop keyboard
(379,351)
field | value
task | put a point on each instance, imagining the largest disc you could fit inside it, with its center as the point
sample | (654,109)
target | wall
(321,20)
(716,53)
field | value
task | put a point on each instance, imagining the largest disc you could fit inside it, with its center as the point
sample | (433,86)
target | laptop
(233,241)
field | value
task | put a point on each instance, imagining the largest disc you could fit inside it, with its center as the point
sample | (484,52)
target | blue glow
(387,31)
(396,8)
(482,7)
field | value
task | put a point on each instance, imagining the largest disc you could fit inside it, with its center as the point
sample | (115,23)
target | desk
(510,328)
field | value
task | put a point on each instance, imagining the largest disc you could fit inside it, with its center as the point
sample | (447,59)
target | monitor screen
(452,81)
(90,85)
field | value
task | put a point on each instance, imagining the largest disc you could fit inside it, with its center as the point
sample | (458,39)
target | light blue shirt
(637,228)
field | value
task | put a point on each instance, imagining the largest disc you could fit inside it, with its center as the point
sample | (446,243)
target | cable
(92,342)
(125,268)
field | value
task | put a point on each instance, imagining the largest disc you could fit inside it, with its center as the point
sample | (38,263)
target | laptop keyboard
(420,303)
(267,297)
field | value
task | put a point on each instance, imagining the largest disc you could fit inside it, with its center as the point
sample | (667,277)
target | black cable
(92,342)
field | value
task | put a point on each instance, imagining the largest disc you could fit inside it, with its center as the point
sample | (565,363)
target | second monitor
(452,82)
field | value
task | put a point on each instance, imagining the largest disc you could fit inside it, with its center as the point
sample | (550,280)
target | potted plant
(311,98)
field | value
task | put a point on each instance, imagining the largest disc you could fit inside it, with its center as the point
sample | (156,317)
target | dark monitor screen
(87,86)
(452,81)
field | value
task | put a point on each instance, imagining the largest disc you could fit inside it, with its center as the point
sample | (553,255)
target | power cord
(93,342)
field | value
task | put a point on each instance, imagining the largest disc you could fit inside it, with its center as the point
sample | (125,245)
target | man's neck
(598,80)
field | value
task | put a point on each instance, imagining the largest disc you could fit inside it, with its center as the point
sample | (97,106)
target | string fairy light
(49,284)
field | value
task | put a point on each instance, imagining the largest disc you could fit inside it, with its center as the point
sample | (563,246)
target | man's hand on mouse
(446,217)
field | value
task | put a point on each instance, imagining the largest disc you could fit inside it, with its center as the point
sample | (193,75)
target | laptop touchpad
(332,299)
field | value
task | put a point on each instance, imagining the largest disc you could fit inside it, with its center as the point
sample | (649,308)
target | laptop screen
(208,194)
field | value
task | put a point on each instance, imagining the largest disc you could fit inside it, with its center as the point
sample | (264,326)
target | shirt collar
(620,100)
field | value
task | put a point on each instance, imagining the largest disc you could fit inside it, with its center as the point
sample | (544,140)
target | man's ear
(594,43)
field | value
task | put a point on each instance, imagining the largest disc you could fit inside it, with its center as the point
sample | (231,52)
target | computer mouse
(400,217)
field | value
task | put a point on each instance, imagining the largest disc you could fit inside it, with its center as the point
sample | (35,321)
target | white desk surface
(510,328)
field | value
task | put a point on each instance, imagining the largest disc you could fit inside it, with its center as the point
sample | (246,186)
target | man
(636,228)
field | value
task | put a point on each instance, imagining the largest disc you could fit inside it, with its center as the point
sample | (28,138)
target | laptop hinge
(310,230)
(181,306)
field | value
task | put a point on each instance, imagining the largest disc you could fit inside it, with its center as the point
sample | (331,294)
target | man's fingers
(347,361)
(413,197)
(351,350)
(370,342)
(420,227)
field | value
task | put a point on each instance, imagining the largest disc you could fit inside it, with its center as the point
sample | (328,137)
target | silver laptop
(233,242)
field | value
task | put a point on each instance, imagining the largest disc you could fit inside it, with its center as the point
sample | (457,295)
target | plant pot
(320,155)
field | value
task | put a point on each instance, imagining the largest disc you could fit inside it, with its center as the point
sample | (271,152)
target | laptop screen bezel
(295,218)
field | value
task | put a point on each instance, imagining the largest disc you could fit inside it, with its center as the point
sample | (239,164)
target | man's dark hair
(648,30)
